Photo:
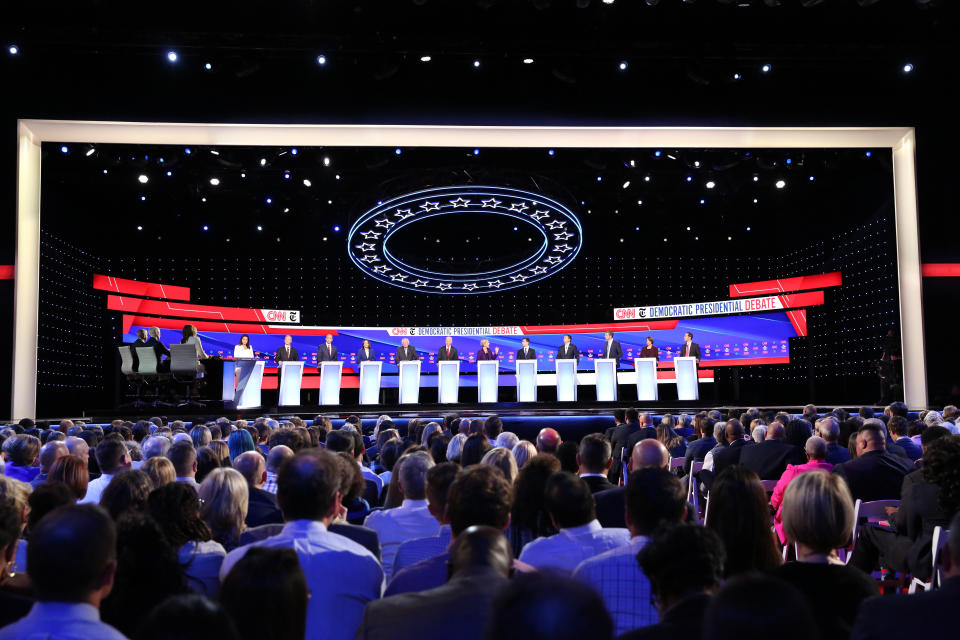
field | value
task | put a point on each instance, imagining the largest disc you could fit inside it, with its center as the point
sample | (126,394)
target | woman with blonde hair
(224,500)
(160,470)
(485,352)
(17,493)
(523,451)
(455,448)
(502,459)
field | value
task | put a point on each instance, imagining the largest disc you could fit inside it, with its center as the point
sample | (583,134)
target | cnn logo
(623,314)
(277,316)
(398,331)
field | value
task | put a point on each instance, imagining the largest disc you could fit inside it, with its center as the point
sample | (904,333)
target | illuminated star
(563,248)
(419,283)
(370,235)
(518,207)
(566,235)
(518,278)
(556,224)
(386,224)
(430,206)
(397,276)
(553,260)
(444,286)
(366,246)
(492,203)
(403,214)
(495,284)
(381,268)
(470,286)
(370,258)
(459,202)
(539,215)
(538,270)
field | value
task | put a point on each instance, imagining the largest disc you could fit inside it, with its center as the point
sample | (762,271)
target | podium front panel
(687,383)
(526,380)
(249,384)
(370,381)
(646,369)
(566,380)
(330,371)
(291,376)
(448,381)
(410,382)
(606,371)
(488,380)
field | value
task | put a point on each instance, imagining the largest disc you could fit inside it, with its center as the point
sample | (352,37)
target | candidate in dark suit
(366,352)
(568,350)
(405,351)
(611,347)
(485,352)
(769,459)
(286,352)
(448,351)
(874,474)
(327,352)
(480,564)
(650,351)
(526,352)
(689,348)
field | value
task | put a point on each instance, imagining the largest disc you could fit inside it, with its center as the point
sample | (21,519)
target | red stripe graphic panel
(137,288)
(6,272)
(941,270)
(785,284)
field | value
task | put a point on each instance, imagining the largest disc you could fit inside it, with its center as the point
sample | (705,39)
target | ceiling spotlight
(811,178)
(259,228)
(286,175)
(243,174)
(755,201)
(626,184)
(696,163)
(646,178)
(105,171)
(633,163)
(139,228)
(599,178)
(337,177)
(172,56)
(214,152)
(169,173)
(748,228)
(294,151)
(737,76)
(907,68)
(729,238)
(756,178)
(689,178)
(703,201)
(206,228)
(781,184)
(336,228)
(13,49)
(143,179)
(215,181)
(143,198)
(321,60)
(398,151)
(607,1)
(90,152)
(269,200)
(476,64)
(658,153)
(711,184)
(688,228)
(868,153)
(550,152)
(307,183)
(622,66)
(326,161)
(766,68)
(528,61)
(425,58)
(64,149)
(263,162)
(208,66)
(640,202)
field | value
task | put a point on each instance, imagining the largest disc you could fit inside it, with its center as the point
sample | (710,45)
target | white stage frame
(31,133)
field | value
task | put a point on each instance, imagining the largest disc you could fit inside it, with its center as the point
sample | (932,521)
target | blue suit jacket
(362,357)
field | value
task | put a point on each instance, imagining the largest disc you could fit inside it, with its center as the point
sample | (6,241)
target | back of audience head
(239,442)
(474,448)
(569,501)
(207,461)
(73,472)
(738,511)
(530,490)
(160,471)
(594,454)
(439,479)
(352,482)
(127,492)
(267,575)
(481,546)
(502,459)
(49,453)
(44,499)
(815,448)
(308,486)
(654,497)
(438,447)
(941,462)
(523,451)
(785,614)
(176,508)
(548,441)
(506,440)
(22,449)
(567,455)
(492,427)
(11,527)
(541,606)
(932,433)
(871,437)
(224,501)
(817,513)
(277,456)
(681,561)
(412,480)
(649,453)
(479,495)
(188,617)
(184,459)
(454,448)
(252,467)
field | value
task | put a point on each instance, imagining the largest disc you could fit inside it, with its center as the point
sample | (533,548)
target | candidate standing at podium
(568,350)
(327,352)
(526,351)
(690,349)
(448,351)
(611,348)
(485,352)
(286,352)
(366,352)
(650,351)
(405,351)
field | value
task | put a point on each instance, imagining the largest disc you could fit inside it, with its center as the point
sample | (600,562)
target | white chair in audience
(769,485)
(183,369)
(693,493)
(940,538)
(865,513)
(706,508)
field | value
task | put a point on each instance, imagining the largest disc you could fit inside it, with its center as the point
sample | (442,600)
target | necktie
(288,352)
(686,350)
(448,350)
(524,351)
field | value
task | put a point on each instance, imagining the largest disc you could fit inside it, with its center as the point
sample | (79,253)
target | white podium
(646,369)
(409,381)
(448,381)
(687,383)
(606,371)
(291,375)
(370,381)
(488,380)
(330,371)
(526,380)
(566,380)
(249,383)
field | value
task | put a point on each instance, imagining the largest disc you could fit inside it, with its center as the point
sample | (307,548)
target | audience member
(769,459)
(73,472)
(474,448)
(523,451)
(12,606)
(126,493)
(224,500)
(816,451)
(275,459)
(502,459)
(239,442)
(648,453)
(548,441)
(738,511)
(184,459)
(698,449)
(874,474)
(112,458)
(829,429)
(784,613)
(637,427)
(727,456)
(492,428)
(273,576)
(262,505)
(439,479)
(529,518)
(506,440)
(207,461)
(188,617)
(20,451)
(160,471)
(594,458)
(155,447)
(567,455)
(454,448)
(49,453)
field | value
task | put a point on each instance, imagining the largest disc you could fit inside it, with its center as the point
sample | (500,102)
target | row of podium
(242,382)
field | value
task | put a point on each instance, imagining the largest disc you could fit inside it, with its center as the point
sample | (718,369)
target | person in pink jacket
(816,450)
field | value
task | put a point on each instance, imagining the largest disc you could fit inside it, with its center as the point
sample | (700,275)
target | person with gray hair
(829,429)
(523,451)
(52,451)
(455,448)
(506,440)
(412,519)
(429,430)
(154,446)
(21,451)
(759,433)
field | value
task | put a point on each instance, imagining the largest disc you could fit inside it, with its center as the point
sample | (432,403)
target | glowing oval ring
(560,228)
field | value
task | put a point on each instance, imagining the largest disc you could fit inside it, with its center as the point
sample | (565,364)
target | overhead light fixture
(425,58)
(172,56)
(215,181)
(321,60)
(528,61)
(143,179)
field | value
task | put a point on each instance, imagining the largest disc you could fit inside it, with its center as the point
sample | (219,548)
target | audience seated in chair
(874,474)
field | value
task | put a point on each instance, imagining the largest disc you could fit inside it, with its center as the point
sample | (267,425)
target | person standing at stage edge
(327,352)
(405,351)
(568,350)
(690,349)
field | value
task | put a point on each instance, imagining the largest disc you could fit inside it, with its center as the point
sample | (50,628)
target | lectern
(606,370)
(526,380)
(687,387)
(566,380)
(330,371)
(409,382)
(646,369)
(488,380)
(449,381)
(249,381)
(370,381)
(291,375)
